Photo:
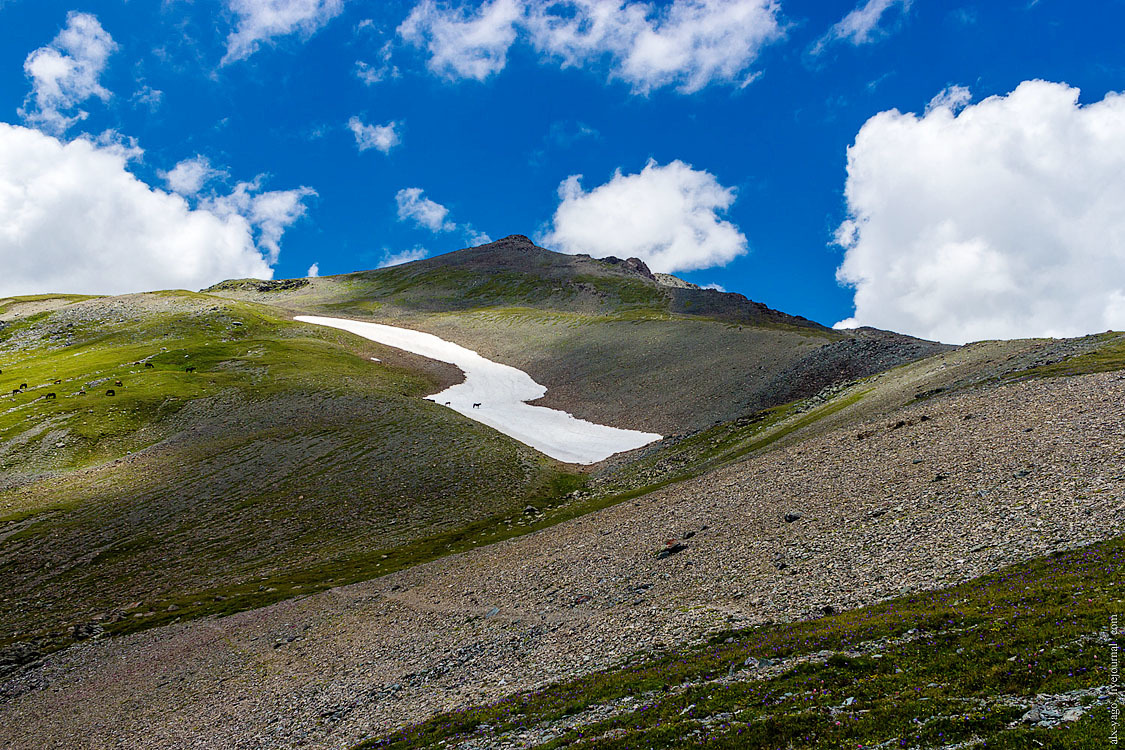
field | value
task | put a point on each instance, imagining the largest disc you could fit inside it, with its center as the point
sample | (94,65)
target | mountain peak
(513,239)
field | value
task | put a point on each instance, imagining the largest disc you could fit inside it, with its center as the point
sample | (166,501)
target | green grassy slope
(286,462)
(959,665)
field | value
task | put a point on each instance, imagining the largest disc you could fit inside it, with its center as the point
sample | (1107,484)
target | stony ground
(946,490)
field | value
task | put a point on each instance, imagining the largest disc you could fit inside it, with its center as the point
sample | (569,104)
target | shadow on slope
(241,459)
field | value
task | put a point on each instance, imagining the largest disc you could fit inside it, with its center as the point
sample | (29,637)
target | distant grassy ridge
(11,304)
(957,665)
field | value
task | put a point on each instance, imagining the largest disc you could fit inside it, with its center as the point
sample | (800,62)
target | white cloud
(314,271)
(953,98)
(117,143)
(428,214)
(667,216)
(264,20)
(66,73)
(190,175)
(689,44)
(406,256)
(74,219)
(463,43)
(371,74)
(475,238)
(422,211)
(1002,221)
(149,97)
(716,287)
(380,137)
(863,25)
(270,213)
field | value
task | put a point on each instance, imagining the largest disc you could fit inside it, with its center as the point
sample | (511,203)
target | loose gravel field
(934,494)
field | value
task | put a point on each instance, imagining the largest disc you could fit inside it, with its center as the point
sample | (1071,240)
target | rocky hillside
(926,497)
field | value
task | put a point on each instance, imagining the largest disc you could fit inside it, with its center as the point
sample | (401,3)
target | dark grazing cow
(23,386)
(476,406)
(110,392)
(50,395)
(190,368)
(148,364)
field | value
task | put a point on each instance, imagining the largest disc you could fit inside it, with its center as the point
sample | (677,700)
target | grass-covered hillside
(241,458)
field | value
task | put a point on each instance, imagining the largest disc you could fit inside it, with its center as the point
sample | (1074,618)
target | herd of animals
(109,392)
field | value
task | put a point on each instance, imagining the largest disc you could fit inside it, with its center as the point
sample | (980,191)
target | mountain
(283,525)
(611,342)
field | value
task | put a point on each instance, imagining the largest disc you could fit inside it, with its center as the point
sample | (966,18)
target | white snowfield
(501,392)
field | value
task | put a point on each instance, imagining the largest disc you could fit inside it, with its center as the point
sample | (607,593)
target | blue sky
(761,127)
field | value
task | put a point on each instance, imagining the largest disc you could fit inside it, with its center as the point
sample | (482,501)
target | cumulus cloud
(66,73)
(427,214)
(669,217)
(463,42)
(190,175)
(1001,221)
(261,21)
(689,43)
(270,213)
(953,98)
(413,206)
(405,256)
(863,25)
(74,219)
(314,271)
(379,137)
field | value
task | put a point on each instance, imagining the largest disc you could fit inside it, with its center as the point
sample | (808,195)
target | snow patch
(496,395)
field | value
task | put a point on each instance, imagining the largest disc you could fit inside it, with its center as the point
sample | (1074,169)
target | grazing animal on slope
(148,364)
(110,392)
(50,395)
(476,406)
(23,386)
(189,369)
